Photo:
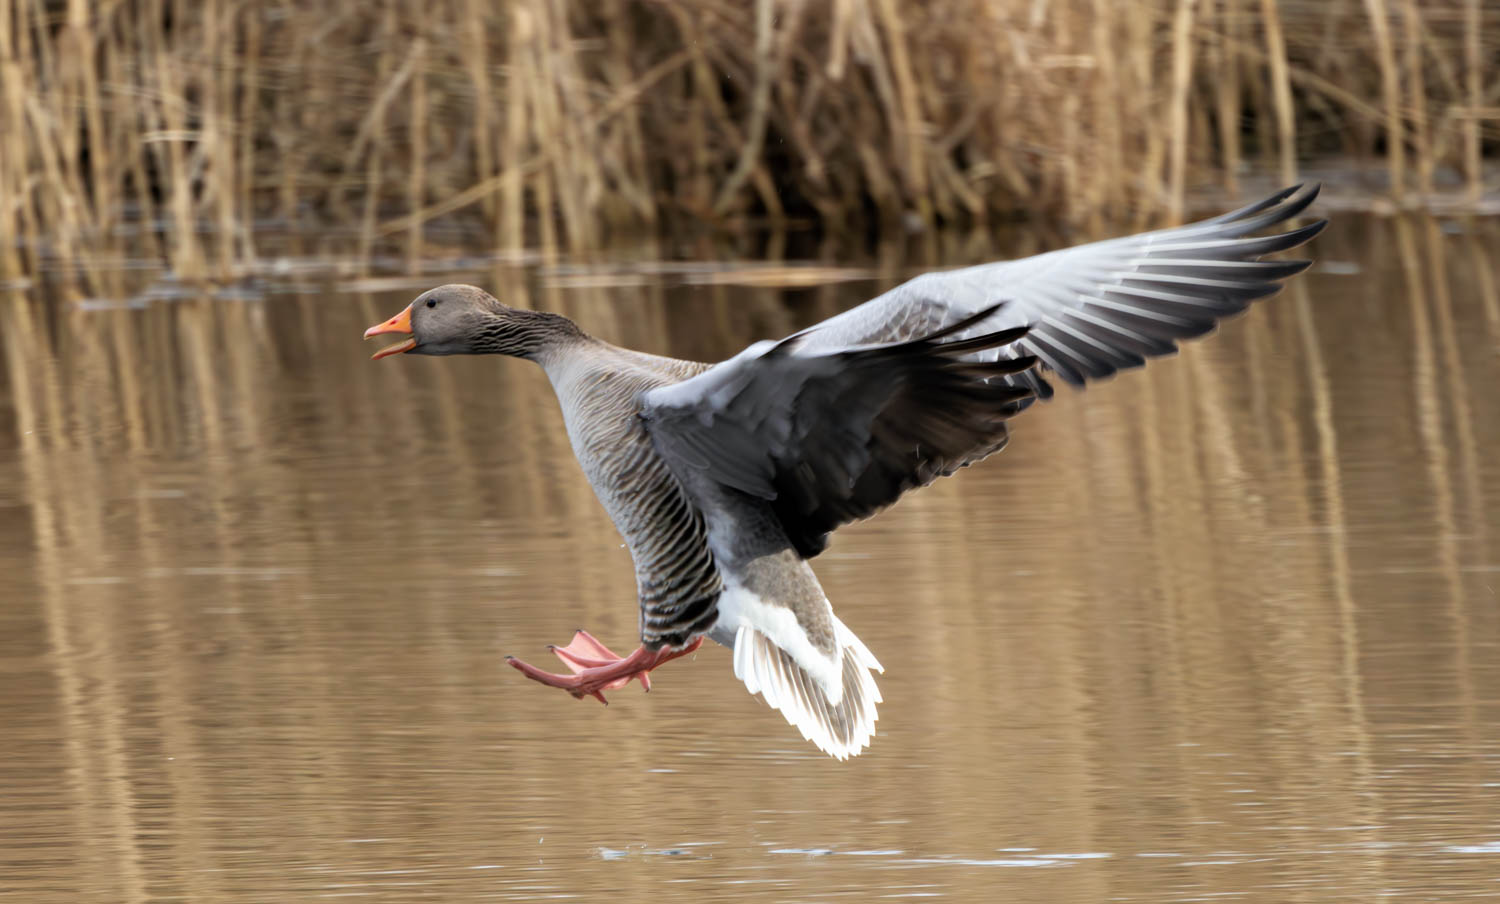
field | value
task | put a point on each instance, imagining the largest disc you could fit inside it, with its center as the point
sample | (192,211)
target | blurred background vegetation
(197,132)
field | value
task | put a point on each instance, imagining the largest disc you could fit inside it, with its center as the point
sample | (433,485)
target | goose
(726,479)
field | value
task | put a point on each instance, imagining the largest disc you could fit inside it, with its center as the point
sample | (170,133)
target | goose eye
(432,302)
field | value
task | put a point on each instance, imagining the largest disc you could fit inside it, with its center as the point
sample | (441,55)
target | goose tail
(839,720)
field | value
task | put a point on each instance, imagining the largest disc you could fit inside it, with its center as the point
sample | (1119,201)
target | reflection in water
(1225,627)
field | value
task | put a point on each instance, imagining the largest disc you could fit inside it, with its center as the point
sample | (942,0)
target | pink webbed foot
(596,668)
(585,651)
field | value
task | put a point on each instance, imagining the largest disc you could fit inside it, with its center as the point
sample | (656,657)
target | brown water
(1224,629)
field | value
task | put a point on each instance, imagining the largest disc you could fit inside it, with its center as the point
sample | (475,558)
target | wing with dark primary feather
(1101,307)
(832,436)
(836,422)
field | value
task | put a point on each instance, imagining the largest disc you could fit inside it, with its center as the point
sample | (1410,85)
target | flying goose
(726,479)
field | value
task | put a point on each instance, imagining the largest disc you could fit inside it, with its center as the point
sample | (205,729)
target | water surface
(1223,629)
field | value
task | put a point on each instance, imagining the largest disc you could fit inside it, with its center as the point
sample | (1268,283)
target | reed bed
(199,131)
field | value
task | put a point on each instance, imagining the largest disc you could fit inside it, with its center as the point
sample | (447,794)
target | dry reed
(200,131)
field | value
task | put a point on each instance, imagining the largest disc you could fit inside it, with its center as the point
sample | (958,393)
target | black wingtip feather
(1241,249)
(1297,197)
(1288,240)
(1266,203)
(1310,231)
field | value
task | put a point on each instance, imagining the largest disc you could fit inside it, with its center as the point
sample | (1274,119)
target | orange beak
(401,323)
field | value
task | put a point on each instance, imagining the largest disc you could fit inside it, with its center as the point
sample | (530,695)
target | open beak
(401,323)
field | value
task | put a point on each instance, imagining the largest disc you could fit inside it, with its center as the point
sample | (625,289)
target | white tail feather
(840,724)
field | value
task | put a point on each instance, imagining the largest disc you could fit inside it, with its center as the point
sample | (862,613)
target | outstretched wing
(1101,307)
(831,436)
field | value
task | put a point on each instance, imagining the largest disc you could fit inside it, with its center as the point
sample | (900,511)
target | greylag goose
(726,479)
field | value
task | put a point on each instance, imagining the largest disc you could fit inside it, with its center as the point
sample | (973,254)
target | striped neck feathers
(522,334)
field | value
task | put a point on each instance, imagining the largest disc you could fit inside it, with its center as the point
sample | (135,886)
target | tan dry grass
(185,127)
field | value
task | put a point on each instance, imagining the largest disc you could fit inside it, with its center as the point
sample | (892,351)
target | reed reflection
(1214,627)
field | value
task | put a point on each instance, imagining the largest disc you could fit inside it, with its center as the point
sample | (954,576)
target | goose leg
(596,669)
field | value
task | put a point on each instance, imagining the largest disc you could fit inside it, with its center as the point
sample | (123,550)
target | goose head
(466,320)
